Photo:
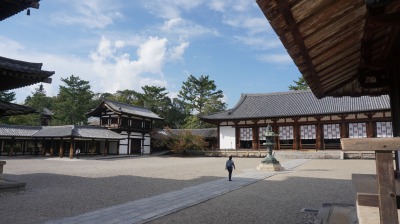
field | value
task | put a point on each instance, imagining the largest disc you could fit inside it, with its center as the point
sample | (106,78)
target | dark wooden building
(57,140)
(131,121)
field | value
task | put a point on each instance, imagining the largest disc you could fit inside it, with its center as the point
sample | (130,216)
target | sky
(119,44)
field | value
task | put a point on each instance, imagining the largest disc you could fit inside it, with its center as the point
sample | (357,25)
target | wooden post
(395,107)
(255,142)
(51,147)
(386,187)
(11,153)
(383,147)
(61,149)
(275,129)
(319,137)
(71,149)
(296,136)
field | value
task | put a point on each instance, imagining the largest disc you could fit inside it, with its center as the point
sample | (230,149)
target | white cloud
(217,5)
(276,58)
(261,42)
(89,13)
(8,45)
(106,68)
(169,9)
(185,29)
(177,52)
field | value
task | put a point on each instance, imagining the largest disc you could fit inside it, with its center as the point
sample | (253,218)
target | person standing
(230,165)
(78,152)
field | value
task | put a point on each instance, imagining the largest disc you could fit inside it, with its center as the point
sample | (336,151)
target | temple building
(302,121)
(133,122)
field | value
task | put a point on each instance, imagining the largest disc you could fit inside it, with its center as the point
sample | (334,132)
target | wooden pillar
(71,149)
(296,135)
(319,137)
(51,147)
(237,134)
(61,153)
(218,138)
(118,147)
(105,150)
(386,187)
(36,148)
(395,108)
(255,142)
(11,152)
(275,129)
(343,130)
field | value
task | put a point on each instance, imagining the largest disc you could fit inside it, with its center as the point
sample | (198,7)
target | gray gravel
(59,188)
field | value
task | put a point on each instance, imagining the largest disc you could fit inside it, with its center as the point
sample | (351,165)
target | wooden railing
(384,195)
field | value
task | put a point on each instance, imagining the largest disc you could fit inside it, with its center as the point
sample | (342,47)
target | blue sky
(119,44)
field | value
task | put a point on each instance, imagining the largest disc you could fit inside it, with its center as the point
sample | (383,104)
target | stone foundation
(270,167)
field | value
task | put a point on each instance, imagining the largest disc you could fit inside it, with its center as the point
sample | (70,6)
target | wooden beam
(386,19)
(370,144)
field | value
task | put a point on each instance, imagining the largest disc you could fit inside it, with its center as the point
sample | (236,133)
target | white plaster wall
(123,149)
(227,137)
(146,146)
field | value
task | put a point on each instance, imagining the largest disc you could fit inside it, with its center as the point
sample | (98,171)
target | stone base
(11,186)
(270,167)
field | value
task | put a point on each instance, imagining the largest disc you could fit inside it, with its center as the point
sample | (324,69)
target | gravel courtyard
(59,188)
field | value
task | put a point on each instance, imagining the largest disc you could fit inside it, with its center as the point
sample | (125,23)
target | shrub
(180,141)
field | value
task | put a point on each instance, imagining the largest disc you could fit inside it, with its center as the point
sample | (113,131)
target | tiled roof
(124,109)
(95,133)
(8,109)
(16,74)
(298,103)
(55,131)
(58,132)
(18,131)
(10,8)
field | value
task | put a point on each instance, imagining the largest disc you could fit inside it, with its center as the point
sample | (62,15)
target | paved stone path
(146,209)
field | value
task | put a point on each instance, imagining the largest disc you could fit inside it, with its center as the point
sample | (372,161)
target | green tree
(7,96)
(127,96)
(199,93)
(175,118)
(200,97)
(301,84)
(179,142)
(73,102)
(39,100)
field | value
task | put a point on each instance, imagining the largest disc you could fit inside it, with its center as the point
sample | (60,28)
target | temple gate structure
(133,122)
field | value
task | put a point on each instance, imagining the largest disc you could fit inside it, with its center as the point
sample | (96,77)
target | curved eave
(337,45)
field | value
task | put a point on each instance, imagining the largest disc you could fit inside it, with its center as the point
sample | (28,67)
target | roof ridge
(131,105)
(279,93)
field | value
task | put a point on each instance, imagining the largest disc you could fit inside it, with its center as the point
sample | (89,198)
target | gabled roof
(8,109)
(122,108)
(298,103)
(67,131)
(88,132)
(18,131)
(341,47)
(16,74)
(11,7)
